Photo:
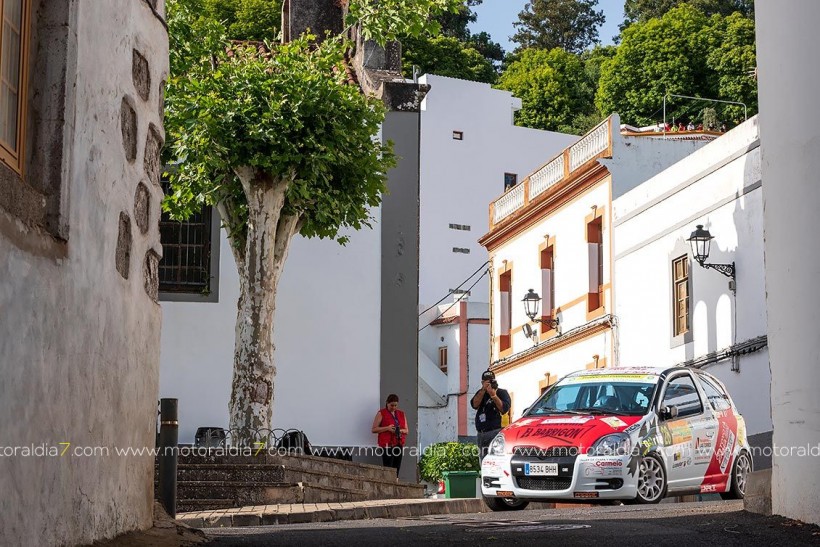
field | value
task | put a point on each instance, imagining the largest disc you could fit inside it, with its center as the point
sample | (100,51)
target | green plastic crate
(459,484)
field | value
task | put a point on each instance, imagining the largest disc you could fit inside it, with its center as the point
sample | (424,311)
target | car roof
(645,371)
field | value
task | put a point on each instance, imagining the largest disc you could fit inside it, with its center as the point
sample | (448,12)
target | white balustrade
(595,142)
(547,176)
(510,202)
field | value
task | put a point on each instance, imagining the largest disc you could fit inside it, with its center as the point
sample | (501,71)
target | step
(313,463)
(251,473)
(223,494)
(374,489)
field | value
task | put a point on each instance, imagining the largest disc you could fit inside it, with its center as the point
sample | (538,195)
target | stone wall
(79,339)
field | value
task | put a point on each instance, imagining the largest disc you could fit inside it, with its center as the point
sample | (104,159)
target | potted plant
(454,464)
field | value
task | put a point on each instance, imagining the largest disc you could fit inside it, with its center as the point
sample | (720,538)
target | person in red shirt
(390,424)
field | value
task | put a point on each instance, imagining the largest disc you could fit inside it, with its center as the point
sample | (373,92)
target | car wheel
(651,480)
(740,476)
(505,504)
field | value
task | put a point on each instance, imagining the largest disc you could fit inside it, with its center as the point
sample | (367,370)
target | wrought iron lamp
(531,302)
(700,240)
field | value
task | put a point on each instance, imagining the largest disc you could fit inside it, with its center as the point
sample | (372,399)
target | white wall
(789,85)
(459,179)
(78,342)
(717,186)
(326,337)
(571,266)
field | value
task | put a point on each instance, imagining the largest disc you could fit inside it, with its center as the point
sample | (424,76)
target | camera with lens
(494,384)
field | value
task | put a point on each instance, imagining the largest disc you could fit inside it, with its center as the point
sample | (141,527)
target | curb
(268,515)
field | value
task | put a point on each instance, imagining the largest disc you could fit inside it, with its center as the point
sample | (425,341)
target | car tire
(652,481)
(505,504)
(740,475)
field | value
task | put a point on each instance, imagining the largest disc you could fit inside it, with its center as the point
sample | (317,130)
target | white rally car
(631,434)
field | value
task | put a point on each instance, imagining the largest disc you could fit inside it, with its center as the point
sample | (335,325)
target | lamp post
(531,302)
(700,240)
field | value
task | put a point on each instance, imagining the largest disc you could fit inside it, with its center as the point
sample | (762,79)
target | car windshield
(592,395)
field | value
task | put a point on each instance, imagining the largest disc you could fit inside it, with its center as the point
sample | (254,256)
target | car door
(693,424)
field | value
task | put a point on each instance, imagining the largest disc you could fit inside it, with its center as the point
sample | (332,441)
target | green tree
(684,53)
(246,19)
(568,24)
(643,10)
(732,57)
(553,86)
(281,143)
(446,56)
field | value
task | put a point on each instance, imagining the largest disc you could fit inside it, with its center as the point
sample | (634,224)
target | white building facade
(790,144)
(81,136)
(553,234)
(670,310)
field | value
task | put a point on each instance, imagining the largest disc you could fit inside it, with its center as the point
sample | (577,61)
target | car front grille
(544,483)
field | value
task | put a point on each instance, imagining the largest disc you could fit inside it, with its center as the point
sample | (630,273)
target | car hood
(565,430)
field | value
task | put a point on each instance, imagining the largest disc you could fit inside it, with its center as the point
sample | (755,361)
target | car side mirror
(525,411)
(669,412)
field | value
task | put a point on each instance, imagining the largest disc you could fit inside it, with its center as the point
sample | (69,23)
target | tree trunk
(268,238)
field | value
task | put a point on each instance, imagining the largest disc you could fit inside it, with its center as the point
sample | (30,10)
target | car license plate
(549,469)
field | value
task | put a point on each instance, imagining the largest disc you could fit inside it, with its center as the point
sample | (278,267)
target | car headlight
(617,444)
(497,446)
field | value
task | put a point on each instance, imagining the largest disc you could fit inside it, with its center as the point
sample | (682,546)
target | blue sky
(496,17)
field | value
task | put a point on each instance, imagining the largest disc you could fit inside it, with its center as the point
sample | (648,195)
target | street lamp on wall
(700,240)
(532,302)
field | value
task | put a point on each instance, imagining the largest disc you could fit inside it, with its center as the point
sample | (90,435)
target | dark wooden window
(547,259)
(505,292)
(442,359)
(14,37)
(680,294)
(510,180)
(458,135)
(186,252)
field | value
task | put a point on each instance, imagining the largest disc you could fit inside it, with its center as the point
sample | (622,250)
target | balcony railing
(595,144)
(510,202)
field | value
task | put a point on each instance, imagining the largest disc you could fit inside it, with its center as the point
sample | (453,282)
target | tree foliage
(553,86)
(446,56)
(246,19)
(456,53)
(684,53)
(643,10)
(568,24)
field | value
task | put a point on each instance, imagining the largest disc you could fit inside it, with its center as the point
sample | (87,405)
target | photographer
(490,403)
(390,424)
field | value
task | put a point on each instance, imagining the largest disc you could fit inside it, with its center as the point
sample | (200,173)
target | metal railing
(594,144)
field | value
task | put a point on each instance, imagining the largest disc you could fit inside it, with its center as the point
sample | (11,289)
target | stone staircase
(218,481)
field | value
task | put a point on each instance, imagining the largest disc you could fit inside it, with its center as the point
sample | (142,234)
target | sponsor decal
(568,421)
(614,422)
(741,430)
(706,488)
(634,427)
(585,494)
(505,493)
(643,378)
(608,463)
(725,446)
(566,434)
(703,449)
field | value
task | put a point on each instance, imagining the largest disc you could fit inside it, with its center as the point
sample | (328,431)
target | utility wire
(457,288)
(457,301)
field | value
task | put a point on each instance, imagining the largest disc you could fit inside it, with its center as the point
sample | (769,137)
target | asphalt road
(679,524)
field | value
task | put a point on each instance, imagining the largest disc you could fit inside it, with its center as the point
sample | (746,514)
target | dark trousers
(483,440)
(391,457)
